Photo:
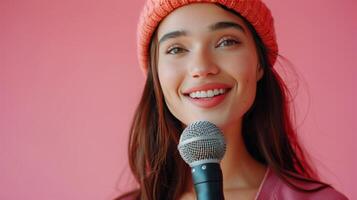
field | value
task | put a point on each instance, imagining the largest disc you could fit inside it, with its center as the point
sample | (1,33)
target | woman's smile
(207,95)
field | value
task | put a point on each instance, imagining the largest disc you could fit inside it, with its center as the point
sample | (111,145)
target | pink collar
(262,184)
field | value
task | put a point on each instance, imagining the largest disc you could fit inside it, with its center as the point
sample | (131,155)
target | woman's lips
(205,87)
(208,102)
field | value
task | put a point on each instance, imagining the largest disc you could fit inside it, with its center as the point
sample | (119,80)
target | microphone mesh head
(202,142)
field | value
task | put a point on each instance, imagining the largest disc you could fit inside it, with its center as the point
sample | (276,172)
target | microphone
(202,146)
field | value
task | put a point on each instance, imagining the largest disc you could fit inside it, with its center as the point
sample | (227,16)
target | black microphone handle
(208,181)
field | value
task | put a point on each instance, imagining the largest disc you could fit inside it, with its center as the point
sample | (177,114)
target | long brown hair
(268,134)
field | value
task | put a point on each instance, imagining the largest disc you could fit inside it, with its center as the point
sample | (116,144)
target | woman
(213,60)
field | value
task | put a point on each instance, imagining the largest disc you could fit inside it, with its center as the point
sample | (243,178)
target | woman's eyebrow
(213,27)
(225,25)
(172,34)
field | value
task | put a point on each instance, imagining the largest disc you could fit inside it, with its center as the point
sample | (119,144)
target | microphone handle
(208,181)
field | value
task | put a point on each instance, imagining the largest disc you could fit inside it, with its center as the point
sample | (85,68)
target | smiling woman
(214,62)
(211,53)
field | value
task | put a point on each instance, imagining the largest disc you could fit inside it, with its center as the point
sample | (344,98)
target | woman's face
(207,64)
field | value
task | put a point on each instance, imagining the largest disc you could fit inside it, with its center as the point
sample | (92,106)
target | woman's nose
(202,65)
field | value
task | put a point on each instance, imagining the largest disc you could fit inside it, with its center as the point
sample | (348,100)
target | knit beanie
(254,11)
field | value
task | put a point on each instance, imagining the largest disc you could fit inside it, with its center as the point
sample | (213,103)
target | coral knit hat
(255,11)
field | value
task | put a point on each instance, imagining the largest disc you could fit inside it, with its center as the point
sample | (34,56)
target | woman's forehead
(197,17)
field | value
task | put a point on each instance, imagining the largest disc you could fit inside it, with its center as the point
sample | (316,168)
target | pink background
(69,83)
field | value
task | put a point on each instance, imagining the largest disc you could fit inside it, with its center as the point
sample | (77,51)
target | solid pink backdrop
(70,81)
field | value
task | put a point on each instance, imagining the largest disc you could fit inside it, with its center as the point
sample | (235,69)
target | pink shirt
(274,188)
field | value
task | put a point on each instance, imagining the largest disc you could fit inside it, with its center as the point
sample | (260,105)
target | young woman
(213,60)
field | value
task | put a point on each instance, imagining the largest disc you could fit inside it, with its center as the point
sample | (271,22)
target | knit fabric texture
(254,11)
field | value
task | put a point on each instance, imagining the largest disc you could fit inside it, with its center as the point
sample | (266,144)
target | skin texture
(202,56)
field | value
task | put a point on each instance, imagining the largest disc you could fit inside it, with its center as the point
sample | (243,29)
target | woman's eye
(227,42)
(175,50)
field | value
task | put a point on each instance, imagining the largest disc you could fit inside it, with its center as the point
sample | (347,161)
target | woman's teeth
(207,94)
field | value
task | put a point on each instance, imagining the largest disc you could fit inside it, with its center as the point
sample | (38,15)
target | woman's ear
(260,72)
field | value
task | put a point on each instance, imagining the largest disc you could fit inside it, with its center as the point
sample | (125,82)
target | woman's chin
(221,121)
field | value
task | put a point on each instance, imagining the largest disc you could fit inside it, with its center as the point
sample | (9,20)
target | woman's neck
(240,170)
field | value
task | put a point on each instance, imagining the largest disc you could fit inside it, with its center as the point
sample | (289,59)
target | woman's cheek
(170,76)
(170,69)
